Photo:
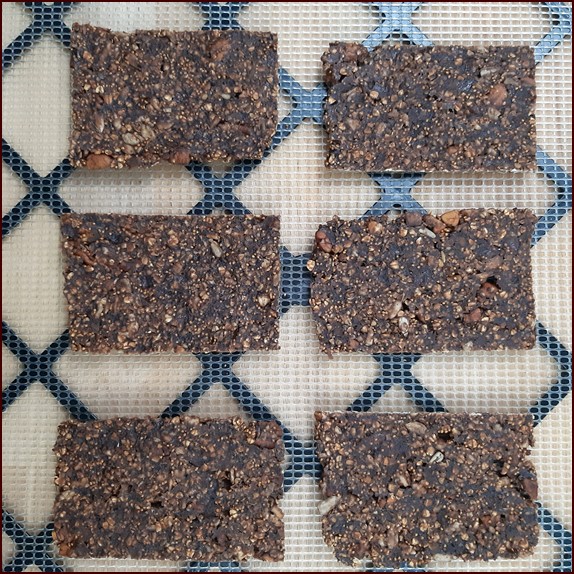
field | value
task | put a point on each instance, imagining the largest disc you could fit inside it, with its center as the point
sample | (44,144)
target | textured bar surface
(420,283)
(440,108)
(181,488)
(160,95)
(401,488)
(142,284)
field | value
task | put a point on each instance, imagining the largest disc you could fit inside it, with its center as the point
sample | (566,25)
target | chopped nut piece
(215,249)
(434,223)
(147,132)
(323,241)
(180,157)
(374,226)
(263,300)
(326,506)
(413,218)
(395,308)
(416,427)
(130,138)
(451,218)
(404,325)
(98,161)
(497,95)
(488,289)
(437,457)
(427,232)
(474,316)
(99,122)
(530,485)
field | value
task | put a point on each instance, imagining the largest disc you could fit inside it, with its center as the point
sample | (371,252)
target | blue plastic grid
(219,194)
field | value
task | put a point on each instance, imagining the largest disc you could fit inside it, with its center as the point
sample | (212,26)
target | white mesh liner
(14,20)
(10,366)
(496,23)
(32,283)
(499,381)
(315,194)
(28,464)
(37,91)
(306,28)
(12,189)
(312,382)
(293,183)
(127,385)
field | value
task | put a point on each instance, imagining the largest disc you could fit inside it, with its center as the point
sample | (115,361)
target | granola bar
(401,488)
(142,284)
(159,95)
(439,108)
(420,283)
(173,489)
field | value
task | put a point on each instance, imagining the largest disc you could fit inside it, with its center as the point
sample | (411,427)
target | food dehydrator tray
(44,383)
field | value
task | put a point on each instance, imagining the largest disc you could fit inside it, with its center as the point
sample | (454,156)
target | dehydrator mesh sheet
(44,383)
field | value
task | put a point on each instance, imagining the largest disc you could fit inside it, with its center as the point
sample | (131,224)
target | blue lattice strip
(189,397)
(560,388)
(562,183)
(41,189)
(45,19)
(38,367)
(560,535)
(295,280)
(396,369)
(219,16)
(30,549)
(561,19)
(396,19)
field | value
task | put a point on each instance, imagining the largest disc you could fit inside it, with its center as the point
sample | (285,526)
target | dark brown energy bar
(401,488)
(440,108)
(419,283)
(160,95)
(142,284)
(173,489)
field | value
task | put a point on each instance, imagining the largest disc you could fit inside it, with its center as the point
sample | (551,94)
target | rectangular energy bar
(439,108)
(160,95)
(170,489)
(142,284)
(420,283)
(401,488)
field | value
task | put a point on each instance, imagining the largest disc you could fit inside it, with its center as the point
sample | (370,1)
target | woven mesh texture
(44,384)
